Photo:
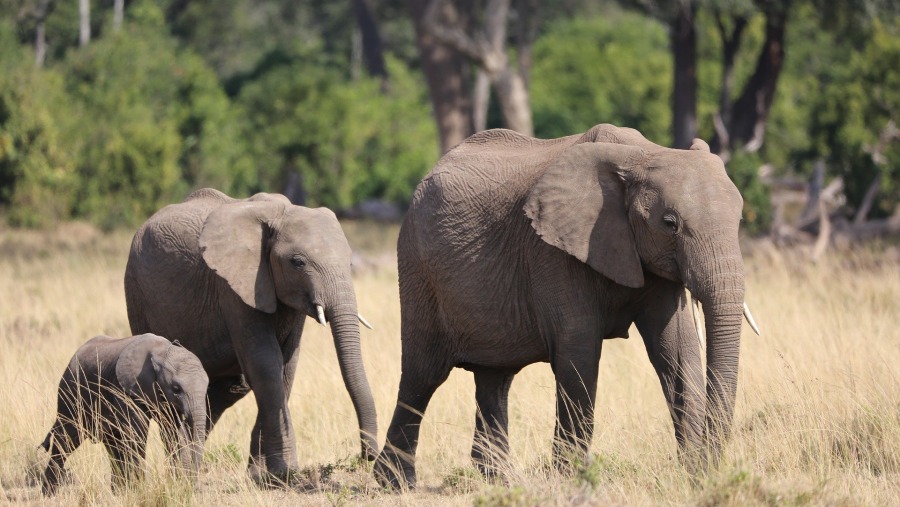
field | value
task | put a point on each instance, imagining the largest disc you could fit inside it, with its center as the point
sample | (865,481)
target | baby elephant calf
(110,391)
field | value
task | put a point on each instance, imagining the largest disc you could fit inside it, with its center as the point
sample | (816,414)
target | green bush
(153,123)
(614,68)
(36,169)
(744,171)
(347,140)
(857,102)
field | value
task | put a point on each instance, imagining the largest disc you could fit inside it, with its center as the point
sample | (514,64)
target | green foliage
(858,102)
(35,167)
(744,171)
(347,140)
(613,68)
(153,123)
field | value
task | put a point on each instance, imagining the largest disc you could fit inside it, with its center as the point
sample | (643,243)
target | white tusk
(749,317)
(320,312)
(695,312)
(364,321)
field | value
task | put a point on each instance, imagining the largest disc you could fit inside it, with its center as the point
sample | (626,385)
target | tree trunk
(684,92)
(487,51)
(372,52)
(731,42)
(118,14)
(40,43)
(84,16)
(751,110)
(514,103)
(481,100)
(41,10)
(446,71)
(526,32)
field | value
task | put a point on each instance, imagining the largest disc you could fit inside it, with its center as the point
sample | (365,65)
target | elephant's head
(273,253)
(172,383)
(628,207)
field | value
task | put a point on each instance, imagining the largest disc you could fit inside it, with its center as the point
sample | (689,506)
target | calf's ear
(137,369)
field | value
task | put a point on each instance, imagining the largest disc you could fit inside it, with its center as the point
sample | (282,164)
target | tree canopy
(334,103)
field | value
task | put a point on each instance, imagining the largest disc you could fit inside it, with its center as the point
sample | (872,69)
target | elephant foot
(491,472)
(394,473)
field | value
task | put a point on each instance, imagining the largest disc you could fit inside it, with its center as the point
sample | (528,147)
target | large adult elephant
(518,250)
(233,281)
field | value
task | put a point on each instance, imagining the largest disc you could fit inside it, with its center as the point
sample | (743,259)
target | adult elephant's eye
(297,262)
(671,221)
(176,389)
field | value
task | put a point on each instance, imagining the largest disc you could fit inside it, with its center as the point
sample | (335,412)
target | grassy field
(817,421)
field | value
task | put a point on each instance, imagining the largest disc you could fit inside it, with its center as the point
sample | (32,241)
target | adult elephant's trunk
(340,310)
(722,294)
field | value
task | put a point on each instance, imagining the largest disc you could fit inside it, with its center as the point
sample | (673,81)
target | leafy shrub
(613,68)
(35,165)
(743,168)
(346,140)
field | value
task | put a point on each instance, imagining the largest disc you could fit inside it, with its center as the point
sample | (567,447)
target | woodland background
(111,108)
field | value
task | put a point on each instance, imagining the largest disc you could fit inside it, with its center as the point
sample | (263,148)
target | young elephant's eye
(176,389)
(298,262)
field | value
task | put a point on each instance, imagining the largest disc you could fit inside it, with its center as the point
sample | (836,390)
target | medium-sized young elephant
(110,391)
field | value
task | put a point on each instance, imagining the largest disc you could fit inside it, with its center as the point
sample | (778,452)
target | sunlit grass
(817,421)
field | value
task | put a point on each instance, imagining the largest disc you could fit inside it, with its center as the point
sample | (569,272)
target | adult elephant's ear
(578,205)
(234,244)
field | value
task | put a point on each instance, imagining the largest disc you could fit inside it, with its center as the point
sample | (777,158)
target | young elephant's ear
(136,369)
(234,242)
(578,205)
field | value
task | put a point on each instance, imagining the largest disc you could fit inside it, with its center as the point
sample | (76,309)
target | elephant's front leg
(668,330)
(575,365)
(273,450)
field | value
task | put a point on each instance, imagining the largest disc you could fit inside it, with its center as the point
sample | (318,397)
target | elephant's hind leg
(490,449)
(418,382)
(425,365)
(63,439)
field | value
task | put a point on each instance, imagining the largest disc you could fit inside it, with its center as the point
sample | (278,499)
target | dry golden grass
(817,422)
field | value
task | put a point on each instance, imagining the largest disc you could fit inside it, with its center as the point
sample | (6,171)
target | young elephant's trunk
(341,311)
(193,438)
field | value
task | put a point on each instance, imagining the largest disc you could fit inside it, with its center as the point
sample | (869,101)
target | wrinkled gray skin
(518,250)
(233,281)
(130,381)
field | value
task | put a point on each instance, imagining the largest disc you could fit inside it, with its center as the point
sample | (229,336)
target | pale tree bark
(84,16)
(447,73)
(486,48)
(481,100)
(683,37)
(38,11)
(118,14)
